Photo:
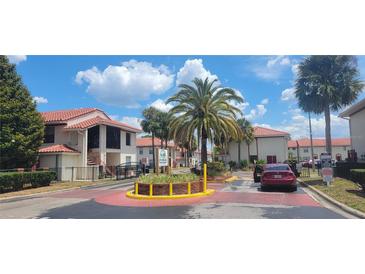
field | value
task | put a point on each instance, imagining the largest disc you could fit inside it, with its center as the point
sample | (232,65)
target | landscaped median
(169,187)
(346,194)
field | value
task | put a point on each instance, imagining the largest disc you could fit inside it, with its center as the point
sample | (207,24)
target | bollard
(136,189)
(151,189)
(189,188)
(205,178)
(170,189)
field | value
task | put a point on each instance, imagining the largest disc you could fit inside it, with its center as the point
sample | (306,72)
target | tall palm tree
(327,83)
(247,135)
(151,125)
(204,109)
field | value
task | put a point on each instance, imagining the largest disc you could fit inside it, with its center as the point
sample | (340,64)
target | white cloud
(257,112)
(273,68)
(265,101)
(298,126)
(16,59)
(161,105)
(191,69)
(132,121)
(40,100)
(294,69)
(288,94)
(127,84)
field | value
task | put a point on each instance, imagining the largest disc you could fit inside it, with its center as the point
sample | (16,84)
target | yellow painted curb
(130,194)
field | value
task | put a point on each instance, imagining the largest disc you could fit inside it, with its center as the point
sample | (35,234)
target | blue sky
(123,85)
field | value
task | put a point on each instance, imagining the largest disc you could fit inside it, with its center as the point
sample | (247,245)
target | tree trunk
(239,153)
(327,116)
(153,154)
(203,152)
(248,152)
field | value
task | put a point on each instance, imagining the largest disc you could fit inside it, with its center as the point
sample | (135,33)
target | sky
(123,86)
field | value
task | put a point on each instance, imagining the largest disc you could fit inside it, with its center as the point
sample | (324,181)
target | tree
(326,83)
(247,135)
(163,127)
(21,125)
(205,110)
(150,125)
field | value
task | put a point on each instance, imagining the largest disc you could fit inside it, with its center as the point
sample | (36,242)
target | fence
(342,169)
(90,173)
(305,172)
(128,171)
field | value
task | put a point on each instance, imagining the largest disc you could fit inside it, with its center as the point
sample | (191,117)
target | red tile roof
(268,132)
(57,148)
(147,142)
(292,143)
(101,121)
(65,115)
(322,142)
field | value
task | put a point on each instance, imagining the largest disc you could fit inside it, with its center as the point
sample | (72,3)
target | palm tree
(204,109)
(150,125)
(247,135)
(327,83)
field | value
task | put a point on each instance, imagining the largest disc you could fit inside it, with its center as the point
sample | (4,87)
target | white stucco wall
(304,156)
(357,131)
(277,146)
(128,150)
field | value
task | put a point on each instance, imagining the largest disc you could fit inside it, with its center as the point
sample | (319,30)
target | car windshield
(277,168)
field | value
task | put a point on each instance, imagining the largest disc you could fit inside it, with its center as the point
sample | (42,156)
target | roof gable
(268,132)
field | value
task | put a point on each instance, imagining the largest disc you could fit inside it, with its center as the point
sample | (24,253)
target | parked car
(257,173)
(278,175)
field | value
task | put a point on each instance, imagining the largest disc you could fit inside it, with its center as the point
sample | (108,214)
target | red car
(275,175)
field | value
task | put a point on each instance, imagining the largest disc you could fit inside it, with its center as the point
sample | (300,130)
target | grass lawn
(52,187)
(344,191)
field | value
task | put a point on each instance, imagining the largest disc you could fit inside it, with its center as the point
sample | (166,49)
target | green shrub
(260,162)
(232,164)
(16,180)
(243,163)
(165,179)
(216,168)
(358,176)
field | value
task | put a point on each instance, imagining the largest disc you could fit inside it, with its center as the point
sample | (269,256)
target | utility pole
(311,139)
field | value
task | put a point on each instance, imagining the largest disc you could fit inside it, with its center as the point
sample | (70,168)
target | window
(49,134)
(305,149)
(112,137)
(271,159)
(150,151)
(128,160)
(93,137)
(128,139)
(141,151)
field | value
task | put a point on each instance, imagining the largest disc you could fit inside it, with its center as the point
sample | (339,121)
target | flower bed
(165,186)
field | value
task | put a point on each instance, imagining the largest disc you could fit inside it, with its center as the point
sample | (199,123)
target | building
(82,138)
(301,149)
(269,145)
(356,116)
(145,150)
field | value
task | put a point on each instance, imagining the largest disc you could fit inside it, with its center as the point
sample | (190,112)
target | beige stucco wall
(277,146)
(305,156)
(357,131)
(128,150)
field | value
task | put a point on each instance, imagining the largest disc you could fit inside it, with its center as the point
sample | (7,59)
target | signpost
(326,168)
(163,157)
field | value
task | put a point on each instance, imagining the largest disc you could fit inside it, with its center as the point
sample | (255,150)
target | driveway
(240,199)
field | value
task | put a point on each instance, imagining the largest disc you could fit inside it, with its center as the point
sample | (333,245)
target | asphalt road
(240,199)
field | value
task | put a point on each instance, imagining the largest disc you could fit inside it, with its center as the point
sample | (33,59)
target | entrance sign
(326,168)
(163,157)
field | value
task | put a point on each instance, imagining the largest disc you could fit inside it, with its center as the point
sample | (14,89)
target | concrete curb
(9,199)
(331,200)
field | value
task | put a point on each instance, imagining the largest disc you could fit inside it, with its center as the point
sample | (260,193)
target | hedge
(16,180)
(358,176)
